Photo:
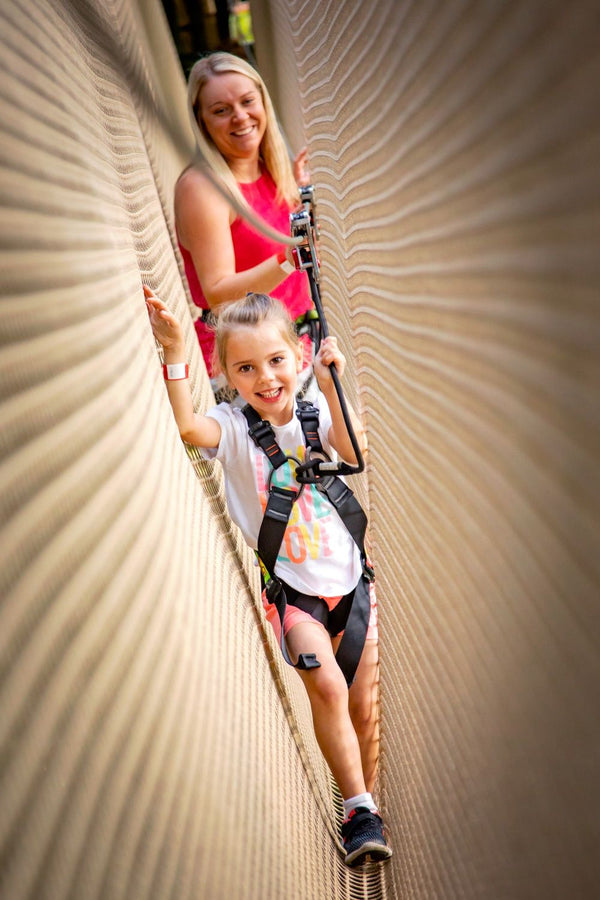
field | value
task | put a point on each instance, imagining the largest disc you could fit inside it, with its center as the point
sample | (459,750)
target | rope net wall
(454,149)
(152,744)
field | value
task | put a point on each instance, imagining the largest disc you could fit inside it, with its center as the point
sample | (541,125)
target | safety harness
(351,614)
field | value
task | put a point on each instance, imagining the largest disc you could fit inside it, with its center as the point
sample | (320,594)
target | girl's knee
(327,685)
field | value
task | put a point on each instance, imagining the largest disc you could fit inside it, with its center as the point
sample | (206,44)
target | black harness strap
(263,436)
(277,513)
(351,614)
(355,608)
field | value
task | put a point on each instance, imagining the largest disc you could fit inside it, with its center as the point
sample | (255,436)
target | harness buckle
(368,572)
(272,488)
(272,589)
(308,661)
(259,432)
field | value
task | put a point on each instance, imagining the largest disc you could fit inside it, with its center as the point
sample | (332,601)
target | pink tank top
(251,247)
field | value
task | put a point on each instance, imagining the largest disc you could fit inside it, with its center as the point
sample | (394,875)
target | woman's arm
(202,431)
(338,436)
(203,219)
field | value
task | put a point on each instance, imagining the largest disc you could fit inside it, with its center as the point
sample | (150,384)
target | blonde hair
(253,310)
(272,149)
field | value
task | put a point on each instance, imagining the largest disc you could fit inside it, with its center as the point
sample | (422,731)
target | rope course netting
(153,744)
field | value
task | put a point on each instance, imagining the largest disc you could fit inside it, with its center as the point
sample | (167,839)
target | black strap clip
(273,590)
(308,661)
(368,572)
(262,435)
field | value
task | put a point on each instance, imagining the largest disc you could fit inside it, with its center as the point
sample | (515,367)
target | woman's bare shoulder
(192,179)
(195,189)
(199,206)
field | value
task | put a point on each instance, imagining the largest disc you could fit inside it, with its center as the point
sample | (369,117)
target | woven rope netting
(152,742)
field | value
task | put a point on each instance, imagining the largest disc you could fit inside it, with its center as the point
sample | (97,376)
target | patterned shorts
(293,615)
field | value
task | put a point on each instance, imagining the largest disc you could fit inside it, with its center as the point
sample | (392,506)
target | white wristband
(284,264)
(176,371)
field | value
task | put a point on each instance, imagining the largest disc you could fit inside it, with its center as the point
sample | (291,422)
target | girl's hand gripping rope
(329,354)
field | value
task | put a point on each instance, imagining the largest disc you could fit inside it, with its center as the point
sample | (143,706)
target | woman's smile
(233,114)
(242,132)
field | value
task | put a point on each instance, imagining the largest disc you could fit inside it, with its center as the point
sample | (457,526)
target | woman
(238,136)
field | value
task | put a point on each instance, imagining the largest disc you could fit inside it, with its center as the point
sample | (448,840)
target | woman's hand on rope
(300,167)
(165,327)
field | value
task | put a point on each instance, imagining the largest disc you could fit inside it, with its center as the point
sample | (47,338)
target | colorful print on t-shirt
(307,535)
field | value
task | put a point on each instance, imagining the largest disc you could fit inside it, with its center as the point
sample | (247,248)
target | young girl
(261,357)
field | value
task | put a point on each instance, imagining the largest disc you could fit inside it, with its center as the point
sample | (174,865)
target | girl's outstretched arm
(339,438)
(202,431)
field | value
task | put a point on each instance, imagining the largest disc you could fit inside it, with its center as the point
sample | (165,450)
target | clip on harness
(351,614)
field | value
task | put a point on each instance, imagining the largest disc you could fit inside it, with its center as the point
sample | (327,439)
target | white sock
(360,800)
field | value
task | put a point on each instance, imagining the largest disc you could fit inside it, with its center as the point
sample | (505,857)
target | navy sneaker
(362,836)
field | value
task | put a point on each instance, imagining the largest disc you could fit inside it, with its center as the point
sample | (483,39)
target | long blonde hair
(253,310)
(272,149)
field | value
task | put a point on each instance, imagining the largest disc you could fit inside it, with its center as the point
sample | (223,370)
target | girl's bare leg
(328,696)
(364,711)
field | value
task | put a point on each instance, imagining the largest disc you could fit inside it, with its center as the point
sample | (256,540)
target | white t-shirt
(317,555)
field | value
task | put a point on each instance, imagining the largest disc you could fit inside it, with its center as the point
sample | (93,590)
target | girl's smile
(263,367)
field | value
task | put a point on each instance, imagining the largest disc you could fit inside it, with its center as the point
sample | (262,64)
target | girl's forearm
(180,399)
(180,396)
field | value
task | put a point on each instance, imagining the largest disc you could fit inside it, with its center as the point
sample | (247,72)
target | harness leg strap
(351,646)
(277,596)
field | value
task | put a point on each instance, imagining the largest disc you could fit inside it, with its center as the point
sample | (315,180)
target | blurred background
(201,26)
